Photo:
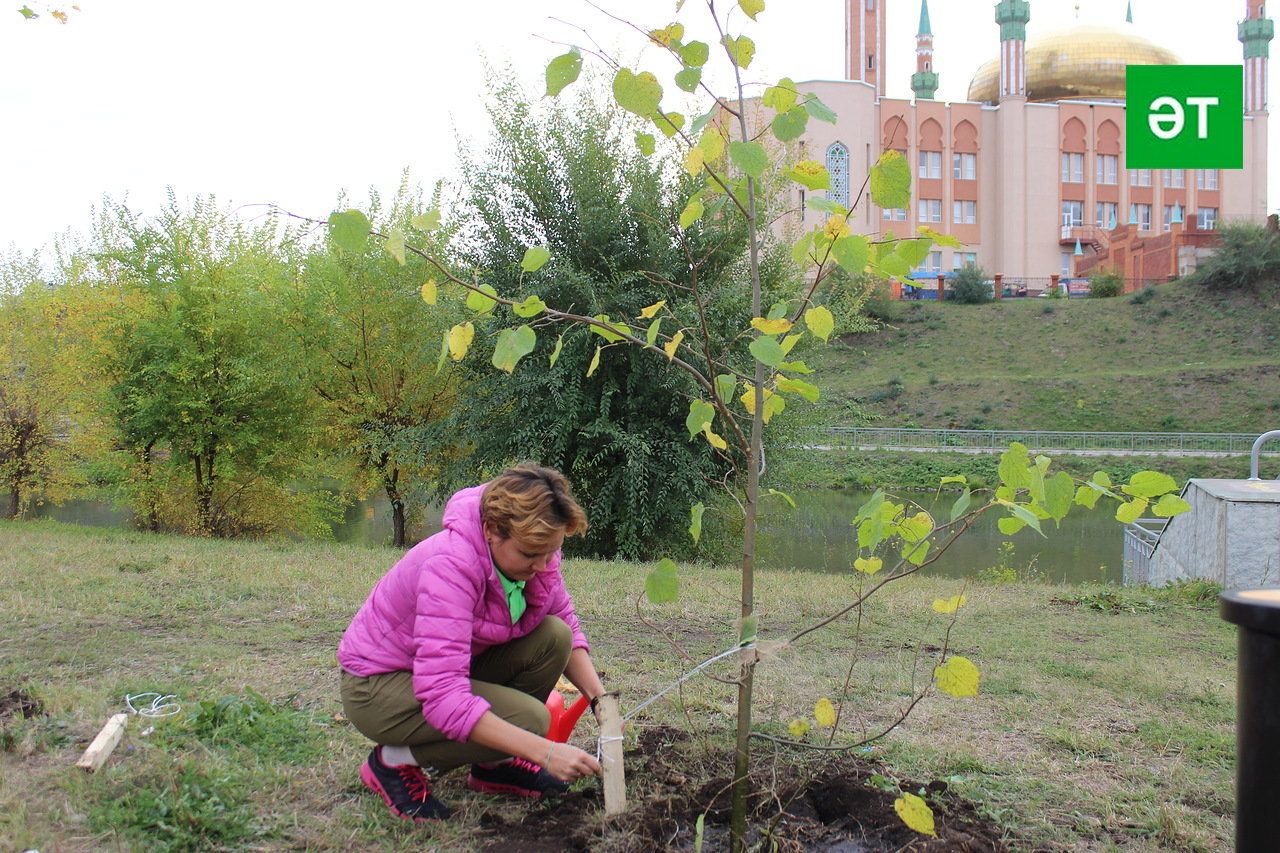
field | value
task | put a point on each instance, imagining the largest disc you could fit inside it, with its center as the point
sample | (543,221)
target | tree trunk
(390,483)
(204,493)
(150,507)
(742,741)
(15,501)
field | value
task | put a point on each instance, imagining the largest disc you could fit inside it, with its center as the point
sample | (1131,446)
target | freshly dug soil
(19,703)
(832,807)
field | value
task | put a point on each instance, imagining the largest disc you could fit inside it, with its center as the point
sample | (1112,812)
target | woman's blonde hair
(532,504)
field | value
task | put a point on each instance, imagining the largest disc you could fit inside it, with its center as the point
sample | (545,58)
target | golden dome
(1082,63)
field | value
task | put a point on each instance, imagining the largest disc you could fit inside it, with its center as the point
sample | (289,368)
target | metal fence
(1140,540)
(892,438)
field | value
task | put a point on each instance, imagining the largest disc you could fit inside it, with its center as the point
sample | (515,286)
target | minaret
(1256,32)
(925,81)
(864,30)
(1128,15)
(1012,16)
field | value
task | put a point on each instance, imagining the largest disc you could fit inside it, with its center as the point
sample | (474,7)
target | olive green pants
(515,678)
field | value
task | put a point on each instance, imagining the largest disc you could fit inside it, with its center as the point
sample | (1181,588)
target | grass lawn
(1181,360)
(1096,729)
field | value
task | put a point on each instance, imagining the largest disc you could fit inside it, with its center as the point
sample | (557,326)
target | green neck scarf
(515,595)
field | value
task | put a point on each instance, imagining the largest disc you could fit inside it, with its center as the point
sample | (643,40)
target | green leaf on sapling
(688,79)
(534,258)
(562,71)
(750,157)
(891,181)
(513,345)
(349,230)
(637,93)
(662,585)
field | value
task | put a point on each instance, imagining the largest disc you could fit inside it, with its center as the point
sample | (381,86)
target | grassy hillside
(1180,359)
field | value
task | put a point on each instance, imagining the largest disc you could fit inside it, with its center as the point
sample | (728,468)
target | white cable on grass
(159,706)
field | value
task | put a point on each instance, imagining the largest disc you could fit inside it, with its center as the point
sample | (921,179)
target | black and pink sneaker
(404,788)
(518,776)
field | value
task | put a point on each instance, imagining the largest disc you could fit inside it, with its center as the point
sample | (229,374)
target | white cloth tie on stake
(600,742)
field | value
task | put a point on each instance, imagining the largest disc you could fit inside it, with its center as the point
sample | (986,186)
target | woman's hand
(568,763)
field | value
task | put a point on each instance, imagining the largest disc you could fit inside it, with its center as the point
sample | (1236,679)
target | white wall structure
(1231,535)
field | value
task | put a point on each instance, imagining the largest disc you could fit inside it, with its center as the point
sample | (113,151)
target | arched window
(838,168)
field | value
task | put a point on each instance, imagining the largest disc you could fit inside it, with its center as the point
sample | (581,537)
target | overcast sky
(290,101)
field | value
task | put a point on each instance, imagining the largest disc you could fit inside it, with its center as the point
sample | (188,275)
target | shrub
(880,304)
(970,286)
(1105,285)
(1249,257)
(1143,296)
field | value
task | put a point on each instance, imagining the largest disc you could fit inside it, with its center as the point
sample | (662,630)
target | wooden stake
(615,783)
(103,745)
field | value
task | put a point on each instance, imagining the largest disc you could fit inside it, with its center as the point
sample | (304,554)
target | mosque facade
(1030,173)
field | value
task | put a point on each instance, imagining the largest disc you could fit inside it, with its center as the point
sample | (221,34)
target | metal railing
(893,438)
(1140,541)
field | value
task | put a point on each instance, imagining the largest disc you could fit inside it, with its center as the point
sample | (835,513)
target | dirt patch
(19,703)
(841,806)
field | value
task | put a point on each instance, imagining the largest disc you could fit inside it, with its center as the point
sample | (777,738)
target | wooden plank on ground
(100,750)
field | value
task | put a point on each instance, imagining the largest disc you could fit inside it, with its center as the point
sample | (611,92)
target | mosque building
(1029,173)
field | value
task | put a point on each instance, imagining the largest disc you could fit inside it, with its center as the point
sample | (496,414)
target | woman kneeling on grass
(452,657)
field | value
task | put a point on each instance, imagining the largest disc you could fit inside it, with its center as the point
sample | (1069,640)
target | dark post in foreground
(1257,612)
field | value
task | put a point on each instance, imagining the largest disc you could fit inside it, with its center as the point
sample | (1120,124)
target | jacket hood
(462,516)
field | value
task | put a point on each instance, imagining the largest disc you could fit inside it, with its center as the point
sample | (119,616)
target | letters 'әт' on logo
(1185,117)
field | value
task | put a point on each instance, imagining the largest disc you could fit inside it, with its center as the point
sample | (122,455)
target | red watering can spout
(563,719)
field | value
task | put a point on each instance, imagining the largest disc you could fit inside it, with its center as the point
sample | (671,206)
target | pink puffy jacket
(441,605)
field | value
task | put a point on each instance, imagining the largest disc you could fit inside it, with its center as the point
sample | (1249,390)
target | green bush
(1105,285)
(970,286)
(879,305)
(1142,297)
(852,299)
(1248,258)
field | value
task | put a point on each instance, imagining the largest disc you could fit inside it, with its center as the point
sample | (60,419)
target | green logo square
(1184,117)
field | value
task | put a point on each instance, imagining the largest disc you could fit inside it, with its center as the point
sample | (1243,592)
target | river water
(816,536)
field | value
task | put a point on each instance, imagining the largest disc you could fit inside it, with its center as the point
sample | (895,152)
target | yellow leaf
(714,440)
(820,321)
(957,677)
(949,605)
(460,338)
(915,813)
(798,728)
(835,228)
(653,309)
(429,292)
(595,362)
(674,344)
(693,161)
(825,713)
(711,143)
(771,327)
(749,401)
(868,565)
(668,34)
(789,343)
